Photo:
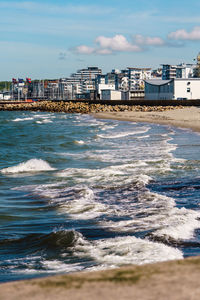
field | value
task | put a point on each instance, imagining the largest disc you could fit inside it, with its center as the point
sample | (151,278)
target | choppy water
(78,193)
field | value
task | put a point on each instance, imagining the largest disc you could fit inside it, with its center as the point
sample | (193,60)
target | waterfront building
(103,87)
(178,71)
(110,78)
(185,70)
(133,95)
(137,76)
(85,74)
(110,95)
(122,82)
(157,73)
(84,80)
(5,96)
(173,89)
(168,71)
(88,85)
(37,88)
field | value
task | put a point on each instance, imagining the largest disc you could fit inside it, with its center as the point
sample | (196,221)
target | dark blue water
(78,193)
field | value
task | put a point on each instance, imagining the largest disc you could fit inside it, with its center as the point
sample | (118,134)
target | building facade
(137,76)
(174,89)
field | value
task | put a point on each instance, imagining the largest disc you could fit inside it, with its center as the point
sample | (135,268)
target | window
(188,90)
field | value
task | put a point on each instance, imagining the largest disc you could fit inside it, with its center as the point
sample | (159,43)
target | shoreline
(167,280)
(187,117)
(178,116)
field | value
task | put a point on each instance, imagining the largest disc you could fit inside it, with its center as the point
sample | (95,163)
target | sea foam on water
(32,165)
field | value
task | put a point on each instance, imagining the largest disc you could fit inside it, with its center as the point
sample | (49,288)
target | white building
(185,70)
(178,71)
(89,73)
(110,95)
(137,76)
(104,86)
(88,85)
(177,89)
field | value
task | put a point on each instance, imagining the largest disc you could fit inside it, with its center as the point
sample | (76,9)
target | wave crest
(32,165)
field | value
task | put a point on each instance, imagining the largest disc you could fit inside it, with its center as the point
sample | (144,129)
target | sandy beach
(174,280)
(187,117)
(168,280)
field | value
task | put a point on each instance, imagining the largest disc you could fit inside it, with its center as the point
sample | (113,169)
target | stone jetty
(81,107)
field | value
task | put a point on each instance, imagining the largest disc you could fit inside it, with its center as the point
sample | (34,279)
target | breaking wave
(32,165)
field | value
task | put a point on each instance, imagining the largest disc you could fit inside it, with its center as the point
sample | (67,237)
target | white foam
(22,119)
(125,250)
(84,206)
(143,137)
(55,266)
(32,165)
(123,134)
(113,174)
(180,224)
(45,121)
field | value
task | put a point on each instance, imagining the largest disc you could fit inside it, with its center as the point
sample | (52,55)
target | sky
(52,39)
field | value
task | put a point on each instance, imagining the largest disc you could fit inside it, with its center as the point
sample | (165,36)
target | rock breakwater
(81,107)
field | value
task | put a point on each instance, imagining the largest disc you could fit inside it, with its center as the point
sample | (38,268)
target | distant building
(110,95)
(121,82)
(89,73)
(157,73)
(177,89)
(137,76)
(88,85)
(103,87)
(86,78)
(110,78)
(133,95)
(178,71)
(168,72)
(185,70)
(5,96)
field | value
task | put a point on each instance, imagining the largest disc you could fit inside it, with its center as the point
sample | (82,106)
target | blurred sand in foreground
(169,280)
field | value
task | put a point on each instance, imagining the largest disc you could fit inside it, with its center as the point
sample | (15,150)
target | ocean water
(81,194)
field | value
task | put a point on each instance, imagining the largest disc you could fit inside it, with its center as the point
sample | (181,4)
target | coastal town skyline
(45,39)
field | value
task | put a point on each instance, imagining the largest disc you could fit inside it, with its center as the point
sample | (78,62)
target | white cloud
(149,41)
(82,49)
(182,34)
(117,43)
(106,46)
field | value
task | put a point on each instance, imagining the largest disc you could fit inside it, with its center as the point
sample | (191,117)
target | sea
(84,194)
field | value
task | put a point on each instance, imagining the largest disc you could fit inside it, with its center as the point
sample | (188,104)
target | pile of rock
(80,107)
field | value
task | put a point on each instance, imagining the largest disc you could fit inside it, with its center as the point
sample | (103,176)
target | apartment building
(137,76)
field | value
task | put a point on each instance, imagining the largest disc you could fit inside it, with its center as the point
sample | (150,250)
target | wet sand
(187,117)
(170,280)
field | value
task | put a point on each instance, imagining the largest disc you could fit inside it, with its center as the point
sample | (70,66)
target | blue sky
(52,39)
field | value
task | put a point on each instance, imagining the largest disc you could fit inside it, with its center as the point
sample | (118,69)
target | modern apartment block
(87,74)
(168,72)
(137,76)
(178,71)
(185,70)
